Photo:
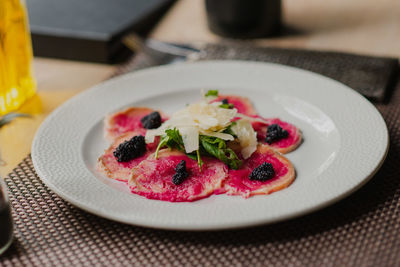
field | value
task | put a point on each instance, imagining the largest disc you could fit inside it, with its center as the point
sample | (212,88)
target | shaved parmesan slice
(190,138)
(151,134)
(182,120)
(201,117)
(209,116)
(240,115)
(223,136)
(247,137)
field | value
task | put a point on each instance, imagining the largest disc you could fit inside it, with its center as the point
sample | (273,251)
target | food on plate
(242,104)
(132,119)
(216,145)
(173,176)
(109,163)
(266,171)
(201,129)
(279,135)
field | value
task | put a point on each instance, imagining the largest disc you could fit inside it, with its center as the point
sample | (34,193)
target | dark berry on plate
(263,172)
(275,133)
(130,149)
(225,101)
(181,173)
(151,121)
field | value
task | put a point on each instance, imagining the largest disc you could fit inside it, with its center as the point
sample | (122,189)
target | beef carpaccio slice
(121,171)
(284,145)
(152,178)
(127,120)
(238,182)
(242,104)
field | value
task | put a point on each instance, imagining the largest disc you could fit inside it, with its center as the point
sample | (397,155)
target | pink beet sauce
(239,179)
(154,179)
(261,129)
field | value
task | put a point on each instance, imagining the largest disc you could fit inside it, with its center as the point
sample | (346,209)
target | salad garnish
(207,128)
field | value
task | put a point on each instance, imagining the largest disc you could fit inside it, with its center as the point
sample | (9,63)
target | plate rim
(36,162)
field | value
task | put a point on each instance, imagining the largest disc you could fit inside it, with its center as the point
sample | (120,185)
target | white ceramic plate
(345,142)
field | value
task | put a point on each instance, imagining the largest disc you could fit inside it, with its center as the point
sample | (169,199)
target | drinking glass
(6,224)
(16,80)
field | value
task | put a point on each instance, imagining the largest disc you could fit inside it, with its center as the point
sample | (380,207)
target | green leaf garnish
(229,130)
(172,139)
(192,156)
(175,139)
(163,142)
(208,146)
(199,160)
(212,93)
(216,147)
(227,106)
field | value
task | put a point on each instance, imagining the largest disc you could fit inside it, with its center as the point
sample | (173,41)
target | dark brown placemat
(362,230)
(373,77)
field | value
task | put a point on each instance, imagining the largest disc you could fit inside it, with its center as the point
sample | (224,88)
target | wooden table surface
(358,26)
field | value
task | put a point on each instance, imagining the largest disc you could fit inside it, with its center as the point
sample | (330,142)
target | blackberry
(263,172)
(181,166)
(130,149)
(151,121)
(225,101)
(181,173)
(275,133)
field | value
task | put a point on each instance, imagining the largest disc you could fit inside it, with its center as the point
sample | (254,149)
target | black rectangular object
(89,30)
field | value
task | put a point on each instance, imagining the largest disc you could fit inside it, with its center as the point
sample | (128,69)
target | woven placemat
(362,230)
(372,76)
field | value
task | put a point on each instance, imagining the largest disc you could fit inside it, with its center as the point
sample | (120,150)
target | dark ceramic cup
(244,18)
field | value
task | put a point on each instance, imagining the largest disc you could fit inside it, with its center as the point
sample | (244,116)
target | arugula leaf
(192,156)
(173,139)
(212,93)
(211,146)
(163,142)
(229,130)
(196,156)
(227,106)
(199,160)
(216,147)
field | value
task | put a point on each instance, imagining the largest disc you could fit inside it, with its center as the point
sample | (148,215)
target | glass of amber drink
(16,80)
